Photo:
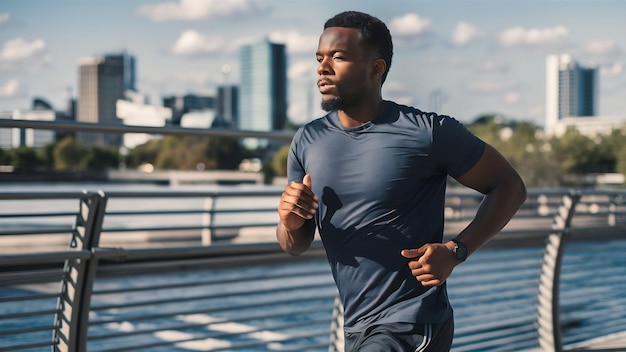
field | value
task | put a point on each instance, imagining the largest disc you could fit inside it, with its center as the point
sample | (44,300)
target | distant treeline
(542,161)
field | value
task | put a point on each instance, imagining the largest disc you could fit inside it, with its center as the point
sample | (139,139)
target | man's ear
(378,68)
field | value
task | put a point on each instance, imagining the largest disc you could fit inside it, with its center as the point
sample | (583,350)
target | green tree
(621,159)
(577,153)
(530,155)
(98,158)
(610,147)
(279,161)
(180,153)
(144,153)
(6,157)
(46,155)
(187,153)
(25,159)
(68,154)
(523,145)
(227,153)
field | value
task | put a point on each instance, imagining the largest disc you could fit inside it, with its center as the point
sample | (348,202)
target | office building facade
(571,90)
(227,106)
(102,82)
(263,87)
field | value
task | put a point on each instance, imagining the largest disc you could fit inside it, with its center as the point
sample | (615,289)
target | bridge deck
(611,343)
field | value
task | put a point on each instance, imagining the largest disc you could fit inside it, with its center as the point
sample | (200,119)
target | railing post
(548,321)
(337,339)
(616,200)
(74,301)
(207,221)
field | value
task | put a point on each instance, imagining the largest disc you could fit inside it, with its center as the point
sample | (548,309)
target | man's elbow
(519,191)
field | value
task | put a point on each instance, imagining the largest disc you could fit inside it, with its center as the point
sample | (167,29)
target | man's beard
(335,103)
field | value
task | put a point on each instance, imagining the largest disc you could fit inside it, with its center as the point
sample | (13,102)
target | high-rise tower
(227,105)
(102,82)
(571,90)
(263,89)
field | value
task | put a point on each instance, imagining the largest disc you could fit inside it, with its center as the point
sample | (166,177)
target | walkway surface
(610,343)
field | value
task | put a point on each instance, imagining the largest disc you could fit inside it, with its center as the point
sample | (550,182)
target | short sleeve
(455,148)
(295,168)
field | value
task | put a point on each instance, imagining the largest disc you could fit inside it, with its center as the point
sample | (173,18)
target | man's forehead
(340,38)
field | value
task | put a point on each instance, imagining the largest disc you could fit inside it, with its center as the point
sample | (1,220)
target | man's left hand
(432,263)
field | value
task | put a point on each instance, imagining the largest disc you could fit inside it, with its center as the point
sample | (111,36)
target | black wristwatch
(460,250)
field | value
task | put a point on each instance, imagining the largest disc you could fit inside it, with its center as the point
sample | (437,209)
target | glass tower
(102,82)
(571,90)
(263,89)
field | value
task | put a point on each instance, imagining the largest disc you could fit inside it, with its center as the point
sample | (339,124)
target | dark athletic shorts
(402,337)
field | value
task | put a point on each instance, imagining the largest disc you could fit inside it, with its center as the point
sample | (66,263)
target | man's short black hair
(374,33)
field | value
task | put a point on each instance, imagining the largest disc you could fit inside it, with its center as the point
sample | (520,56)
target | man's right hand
(297,204)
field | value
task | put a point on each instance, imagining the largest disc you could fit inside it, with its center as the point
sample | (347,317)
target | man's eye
(337,58)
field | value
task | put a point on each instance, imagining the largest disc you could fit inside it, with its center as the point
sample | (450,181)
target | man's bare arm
(504,192)
(296,242)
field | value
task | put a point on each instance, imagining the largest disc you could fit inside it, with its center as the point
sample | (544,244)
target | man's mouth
(325,86)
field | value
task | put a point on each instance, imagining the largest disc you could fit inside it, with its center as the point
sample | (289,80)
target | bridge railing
(196,270)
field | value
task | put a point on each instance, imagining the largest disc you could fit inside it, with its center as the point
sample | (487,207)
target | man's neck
(360,115)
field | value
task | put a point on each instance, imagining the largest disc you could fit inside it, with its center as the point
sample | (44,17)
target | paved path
(610,343)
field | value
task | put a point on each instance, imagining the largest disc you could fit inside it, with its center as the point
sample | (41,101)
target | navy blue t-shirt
(381,188)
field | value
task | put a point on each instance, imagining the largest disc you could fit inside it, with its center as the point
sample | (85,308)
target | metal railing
(188,270)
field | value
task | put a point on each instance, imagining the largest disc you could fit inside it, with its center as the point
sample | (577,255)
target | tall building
(227,105)
(263,89)
(571,90)
(103,80)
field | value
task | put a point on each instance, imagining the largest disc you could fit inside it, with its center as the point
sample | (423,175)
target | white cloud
(399,92)
(537,112)
(602,47)
(512,97)
(193,10)
(404,100)
(409,25)
(486,87)
(517,36)
(464,33)
(296,109)
(296,42)
(191,42)
(9,89)
(19,49)
(4,18)
(302,69)
(614,70)
(196,78)
(492,66)
(395,86)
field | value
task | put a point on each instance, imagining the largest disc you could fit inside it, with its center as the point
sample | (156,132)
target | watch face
(460,251)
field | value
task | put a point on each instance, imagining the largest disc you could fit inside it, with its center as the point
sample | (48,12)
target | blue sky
(463,58)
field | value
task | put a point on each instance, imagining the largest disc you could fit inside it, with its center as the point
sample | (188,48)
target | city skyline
(459,58)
